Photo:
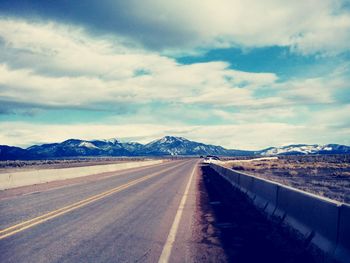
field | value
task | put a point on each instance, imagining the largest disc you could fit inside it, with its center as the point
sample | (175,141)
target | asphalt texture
(127,217)
(130,225)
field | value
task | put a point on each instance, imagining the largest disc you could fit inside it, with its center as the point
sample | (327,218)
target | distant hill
(14,153)
(302,149)
(166,146)
(170,145)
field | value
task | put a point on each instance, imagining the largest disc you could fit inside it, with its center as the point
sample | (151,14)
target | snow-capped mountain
(166,146)
(300,149)
(88,145)
(170,145)
(133,147)
(111,140)
(74,147)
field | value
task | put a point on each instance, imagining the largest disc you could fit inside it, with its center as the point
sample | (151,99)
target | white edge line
(165,256)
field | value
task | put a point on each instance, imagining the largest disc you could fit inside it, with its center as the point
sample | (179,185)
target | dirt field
(325,175)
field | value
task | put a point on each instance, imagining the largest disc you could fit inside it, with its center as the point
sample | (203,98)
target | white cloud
(241,136)
(317,90)
(54,65)
(25,134)
(63,66)
(309,26)
(308,91)
(336,117)
(261,115)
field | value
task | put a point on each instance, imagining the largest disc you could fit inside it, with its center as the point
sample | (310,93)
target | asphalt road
(129,216)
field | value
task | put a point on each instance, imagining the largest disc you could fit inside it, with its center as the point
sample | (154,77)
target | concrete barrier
(228,174)
(323,221)
(234,177)
(265,195)
(343,248)
(246,185)
(315,217)
(38,176)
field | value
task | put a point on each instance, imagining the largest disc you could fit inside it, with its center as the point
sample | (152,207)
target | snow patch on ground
(88,145)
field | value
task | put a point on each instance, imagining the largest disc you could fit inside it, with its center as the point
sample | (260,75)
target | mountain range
(166,146)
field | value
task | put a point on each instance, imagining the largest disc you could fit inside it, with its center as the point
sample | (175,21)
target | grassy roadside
(324,175)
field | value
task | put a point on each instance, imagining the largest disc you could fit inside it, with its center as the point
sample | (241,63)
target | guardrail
(323,221)
(39,176)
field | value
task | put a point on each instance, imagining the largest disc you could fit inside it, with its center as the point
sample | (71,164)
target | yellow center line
(53,214)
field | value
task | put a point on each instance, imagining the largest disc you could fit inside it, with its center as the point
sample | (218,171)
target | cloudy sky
(242,74)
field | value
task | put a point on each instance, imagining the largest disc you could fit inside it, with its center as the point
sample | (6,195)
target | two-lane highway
(132,216)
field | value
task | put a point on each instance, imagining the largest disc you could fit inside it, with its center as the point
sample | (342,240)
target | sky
(242,74)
